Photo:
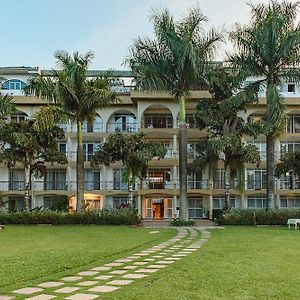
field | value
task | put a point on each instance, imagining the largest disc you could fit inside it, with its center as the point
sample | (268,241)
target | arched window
(13,84)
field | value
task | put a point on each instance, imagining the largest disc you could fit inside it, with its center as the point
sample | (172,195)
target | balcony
(197,184)
(151,184)
(256,184)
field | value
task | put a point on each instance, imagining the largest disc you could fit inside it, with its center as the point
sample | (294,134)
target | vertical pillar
(139,205)
(175,150)
(174,207)
(210,206)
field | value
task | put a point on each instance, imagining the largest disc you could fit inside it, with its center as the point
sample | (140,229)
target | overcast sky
(33,30)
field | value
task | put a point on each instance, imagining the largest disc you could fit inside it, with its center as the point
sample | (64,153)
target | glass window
(158,121)
(16,203)
(96,126)
(120,201)
(257,202)
(118,180)
(125,122)
(219,202)
(13,84)
(55,180)
(256,179)
(195,208)
(92,180)
(291,88)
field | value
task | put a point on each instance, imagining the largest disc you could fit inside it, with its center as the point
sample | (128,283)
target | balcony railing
(197,185)
(256,185)
(122,127)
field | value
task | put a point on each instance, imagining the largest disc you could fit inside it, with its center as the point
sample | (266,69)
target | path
(107,278)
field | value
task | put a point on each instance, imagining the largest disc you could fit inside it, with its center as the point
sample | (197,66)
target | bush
(257,217)
(182,223)
(97,217)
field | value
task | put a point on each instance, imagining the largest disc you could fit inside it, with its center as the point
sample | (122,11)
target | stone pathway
(90,284)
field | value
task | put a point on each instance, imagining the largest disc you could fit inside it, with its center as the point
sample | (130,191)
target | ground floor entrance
(157,208)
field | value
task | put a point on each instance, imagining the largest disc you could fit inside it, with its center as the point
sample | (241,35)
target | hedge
(257,217)
(98,217)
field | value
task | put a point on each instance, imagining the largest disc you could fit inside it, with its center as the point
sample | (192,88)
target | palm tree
(174,61)
(76,99)
(6,105)
(269,47)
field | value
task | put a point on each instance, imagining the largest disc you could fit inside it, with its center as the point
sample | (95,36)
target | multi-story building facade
(155,114)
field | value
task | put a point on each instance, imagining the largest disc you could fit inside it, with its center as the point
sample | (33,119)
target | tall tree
(76,98)
(23,143)
(220,116)
(269,48)
(134,151)
(174,61)
(6,105)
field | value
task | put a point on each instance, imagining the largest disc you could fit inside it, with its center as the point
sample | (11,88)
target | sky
(35,29)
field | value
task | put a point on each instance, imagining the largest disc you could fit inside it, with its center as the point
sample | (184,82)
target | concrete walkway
(107,278)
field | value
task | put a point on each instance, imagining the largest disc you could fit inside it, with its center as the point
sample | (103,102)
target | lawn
(236,263)
(30,254)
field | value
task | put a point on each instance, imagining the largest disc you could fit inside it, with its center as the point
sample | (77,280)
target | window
(291,88)
(194,181)
(158,121)
(261,147)
(13,84)
(60,203)
(120,201)
(89,149)
(92,180)
(190,121)
(16,203)
(256,179)
(125,122)
(159,179)
(192,149)
(290,202)
(257,202)
(18,117)
(16,180)
(55,180)
(195,208)
(293,124)
(219,202)
(62,147)
(219,180)
(118,180)
(289,147)
(96,126)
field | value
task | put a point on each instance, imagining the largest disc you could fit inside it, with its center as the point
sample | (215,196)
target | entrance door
(158,208)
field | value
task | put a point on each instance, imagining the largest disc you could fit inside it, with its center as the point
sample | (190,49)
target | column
(210,206)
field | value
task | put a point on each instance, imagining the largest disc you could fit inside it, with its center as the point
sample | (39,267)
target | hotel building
(156,115)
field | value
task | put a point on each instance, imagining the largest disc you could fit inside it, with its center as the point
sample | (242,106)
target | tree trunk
(182,161)
(270,171)
(227,187)
(130,189)
(80,169)
(27,188)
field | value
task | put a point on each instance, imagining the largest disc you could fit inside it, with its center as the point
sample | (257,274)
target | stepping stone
(51,284)
(135,276)
(140,263)
(184,252)
(71,278)
(149,259)
(179,255)
(82,297)
(118,272)
(120,282)
(103,289)
(146,271)
(67,290)
(143,254)
(87,283)
(173,258)
(123,260)
(137,256)
(5,297)
(130,267)
(167,262)
(104,277)
(131,257)
(41,297)
(158,256)
(171,250)
(190,249)
(156,266)
(101,268)
(87,273)
(114,264)
(148,251)
(27,291)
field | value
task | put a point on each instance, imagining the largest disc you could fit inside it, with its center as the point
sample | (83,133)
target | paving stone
(101,268)
(114,264)
(179,255)
(137,256)
(167,262)
(123,260)
(120,282)
(72,278)
(146,271)
(173,258)
(143,254)
(88,273)
(87,283)
(140,263)
(148,251)
(6,297)
(149,259)
(27,291)
(67,290)
(171,250)
(104,277)
(82,297)
(103,289)
(190,249)
(130,267)
(158,256)
(184,252)
(131,257)
(41,297)
(156,266)
(135,276)
(118,272)
(51,284)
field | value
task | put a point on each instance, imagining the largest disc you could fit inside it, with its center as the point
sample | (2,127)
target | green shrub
(182,223)
(257,217)
(99,217)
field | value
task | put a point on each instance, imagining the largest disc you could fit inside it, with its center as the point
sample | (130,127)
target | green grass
(33,254)
(236,263)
